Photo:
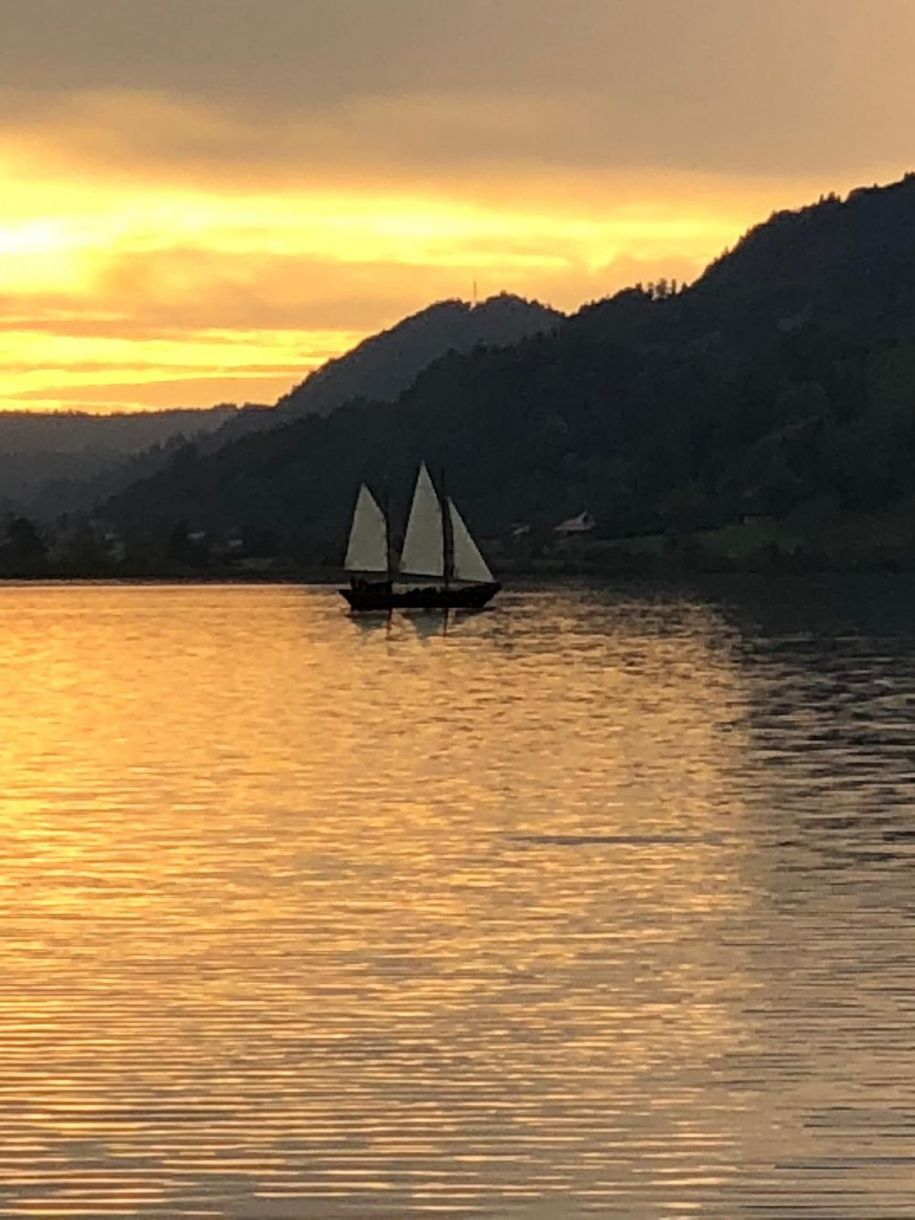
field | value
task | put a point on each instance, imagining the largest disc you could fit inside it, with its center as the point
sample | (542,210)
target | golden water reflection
(537,916)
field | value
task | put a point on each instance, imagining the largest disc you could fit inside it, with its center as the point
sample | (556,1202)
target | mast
(386,513)
(447,533)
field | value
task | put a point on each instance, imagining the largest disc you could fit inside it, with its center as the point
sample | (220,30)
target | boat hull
(382,596)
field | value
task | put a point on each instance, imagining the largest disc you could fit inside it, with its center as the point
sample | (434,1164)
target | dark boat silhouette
(437,546)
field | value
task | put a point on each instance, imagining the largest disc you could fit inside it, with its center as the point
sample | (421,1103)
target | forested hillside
(383,366)
(770,404)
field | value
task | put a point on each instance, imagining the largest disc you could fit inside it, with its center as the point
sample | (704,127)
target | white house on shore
(582,524)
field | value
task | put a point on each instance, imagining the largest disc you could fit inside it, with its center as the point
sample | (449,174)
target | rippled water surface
(601,902)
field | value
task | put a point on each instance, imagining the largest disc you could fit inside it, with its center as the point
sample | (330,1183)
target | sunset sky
(203,199)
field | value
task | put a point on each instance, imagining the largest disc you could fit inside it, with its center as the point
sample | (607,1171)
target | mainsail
(368,538)
(424,547)
(469,564)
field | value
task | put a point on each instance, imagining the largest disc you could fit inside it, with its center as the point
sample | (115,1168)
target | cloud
(244,294)
(186,326)
(131,395)
(221,195)
(288,86)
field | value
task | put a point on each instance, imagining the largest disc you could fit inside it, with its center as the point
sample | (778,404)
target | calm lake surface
(600,903)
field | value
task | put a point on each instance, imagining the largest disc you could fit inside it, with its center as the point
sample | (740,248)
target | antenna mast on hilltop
(474,292)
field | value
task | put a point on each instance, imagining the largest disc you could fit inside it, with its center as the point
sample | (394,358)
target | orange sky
(200,202)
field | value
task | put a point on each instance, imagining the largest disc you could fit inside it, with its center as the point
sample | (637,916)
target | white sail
(469,564)
(368,537)
(423,548)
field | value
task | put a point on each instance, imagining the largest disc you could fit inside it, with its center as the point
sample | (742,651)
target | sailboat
(437,546)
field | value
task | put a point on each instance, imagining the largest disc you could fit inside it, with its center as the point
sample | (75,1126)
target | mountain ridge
(53,456)
(774,399)
(384,365)
(57,462)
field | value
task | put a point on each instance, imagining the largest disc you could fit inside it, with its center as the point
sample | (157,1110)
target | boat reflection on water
(424,624)
(375,622)
(429,623)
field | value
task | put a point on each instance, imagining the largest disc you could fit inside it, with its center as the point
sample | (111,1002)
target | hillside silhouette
(383,366)
(765,411)
(54,461)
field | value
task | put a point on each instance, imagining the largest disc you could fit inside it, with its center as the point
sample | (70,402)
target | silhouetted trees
(23,551)
(779,388)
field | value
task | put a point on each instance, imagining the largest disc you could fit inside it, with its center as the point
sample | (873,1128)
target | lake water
(599,903)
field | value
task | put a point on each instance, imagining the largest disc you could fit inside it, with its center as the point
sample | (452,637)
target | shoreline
(526,579)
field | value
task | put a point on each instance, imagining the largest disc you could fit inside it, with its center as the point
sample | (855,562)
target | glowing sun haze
(203,199)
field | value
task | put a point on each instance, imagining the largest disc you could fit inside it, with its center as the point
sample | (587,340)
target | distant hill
(849,262)
(769,408)
(49,458)
(53,463)
(381,367)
